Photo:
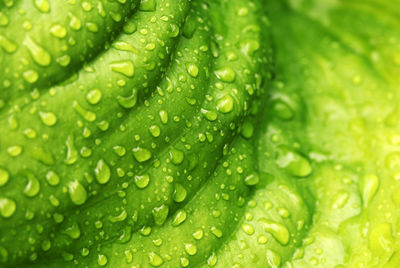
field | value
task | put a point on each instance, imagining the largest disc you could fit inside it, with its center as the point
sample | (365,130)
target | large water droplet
(77,193)
(7,207)
(102,172)
(39,54)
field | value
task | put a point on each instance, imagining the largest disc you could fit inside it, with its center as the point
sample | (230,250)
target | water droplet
(119,150)
(154,130)
(282,110)
(163,116)
(102,172)
(180,193)
(58,31)
(179,218)
(42,5)
(209,115)
(198,234)
(4,176)
(217,232)
(7,44)
(192,69)
(155,260)
(141,154)
(33,186)
(190,249)
(296,164)
(120,217)
(273,258)
(87,115)
(74,22)
(142,181)
(48,118)
(120,45)
(7,207)
(247,228)
(368,186)
(72,152)
(225,104)
(225,74)
(3,19)
(160,214)
(147,5)
(77,193)
(248,47)
(102,260)
(278,231)
(64,60)
(129,101)
(252,179)
(30,76)
(123,67)
(14,150)
(92,27)
(94,96)
(176,156)
(46,245)
(130,27)
(39,54)
(52,178)
(73,231)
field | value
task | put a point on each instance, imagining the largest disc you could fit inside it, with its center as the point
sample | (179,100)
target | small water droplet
(7,207)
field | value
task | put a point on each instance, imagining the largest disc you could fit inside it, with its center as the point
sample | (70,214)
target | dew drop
(141,154)
(225,104)
(123,67)
(39,54)
(58,31)
(42,5)
(7,207)
(33,186)
(142,181)
(225,74)
(4,176)
(48,118)
(278,231)
(102,172)
(77,193)
(72,152)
